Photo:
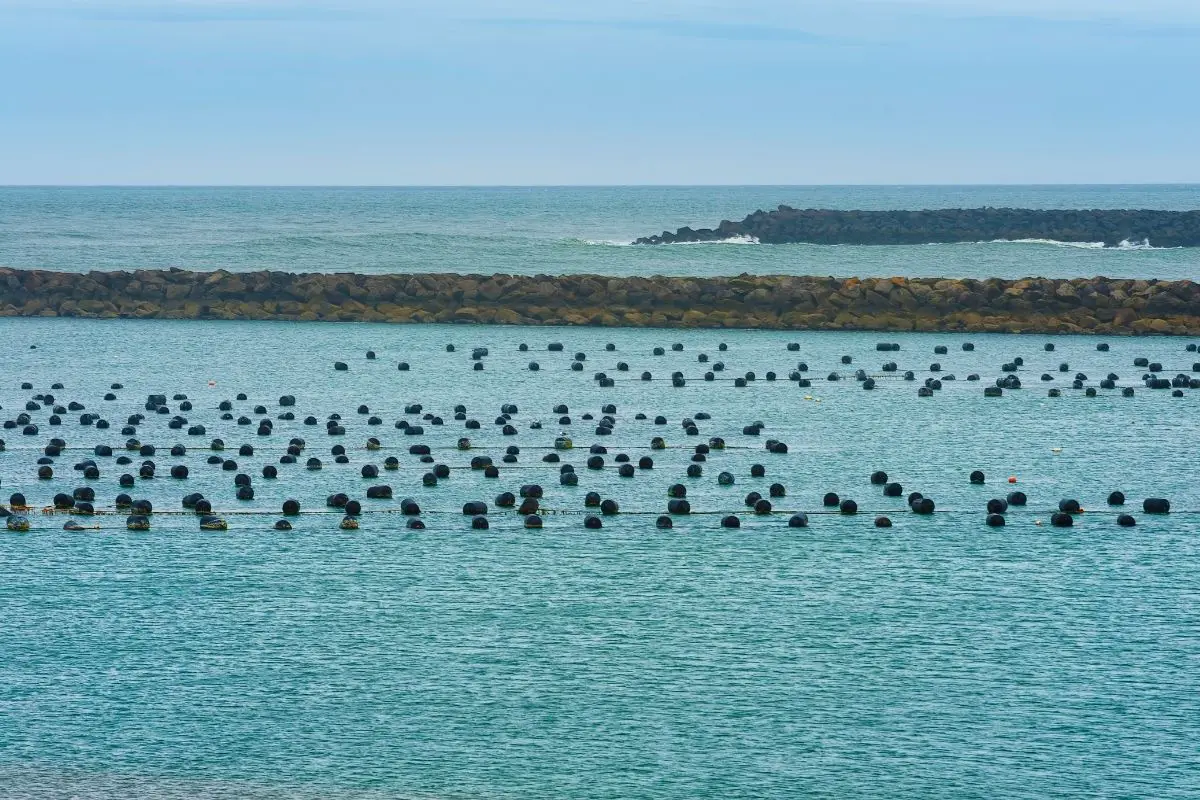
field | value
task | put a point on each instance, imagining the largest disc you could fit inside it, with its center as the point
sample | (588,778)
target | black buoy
(977,477)
(1156,505)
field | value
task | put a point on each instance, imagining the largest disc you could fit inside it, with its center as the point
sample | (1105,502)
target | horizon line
(572,185)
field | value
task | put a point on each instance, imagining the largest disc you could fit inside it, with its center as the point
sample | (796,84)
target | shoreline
(776,302)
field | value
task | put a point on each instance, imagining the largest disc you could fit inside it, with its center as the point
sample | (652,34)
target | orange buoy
(1012,478)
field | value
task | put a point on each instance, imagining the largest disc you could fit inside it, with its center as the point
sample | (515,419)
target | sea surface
(541,230)
(939,658)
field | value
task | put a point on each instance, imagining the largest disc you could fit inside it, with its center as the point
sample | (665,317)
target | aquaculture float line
(1030,305)
(543,511)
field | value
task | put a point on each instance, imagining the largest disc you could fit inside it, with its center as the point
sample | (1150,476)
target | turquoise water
(537,230)
(939,658)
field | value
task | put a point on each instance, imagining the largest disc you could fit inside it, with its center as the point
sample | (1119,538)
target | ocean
(539,230)
(937,658)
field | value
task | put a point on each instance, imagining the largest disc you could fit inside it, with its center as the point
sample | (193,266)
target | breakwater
(1032,305)
(1112,228)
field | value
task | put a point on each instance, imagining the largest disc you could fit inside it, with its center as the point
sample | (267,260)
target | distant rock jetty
(1032,305)
(787,225)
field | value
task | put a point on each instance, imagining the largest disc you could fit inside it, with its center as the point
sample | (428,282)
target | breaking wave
(730,240)
(1124,245)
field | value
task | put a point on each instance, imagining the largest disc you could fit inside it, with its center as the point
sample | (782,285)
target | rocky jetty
(1031,305)
(787,225)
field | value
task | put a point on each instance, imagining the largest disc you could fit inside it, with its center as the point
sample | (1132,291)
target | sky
(520,92)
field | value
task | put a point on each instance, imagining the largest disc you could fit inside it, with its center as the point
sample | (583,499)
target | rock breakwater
(1113,228)
(1032,305)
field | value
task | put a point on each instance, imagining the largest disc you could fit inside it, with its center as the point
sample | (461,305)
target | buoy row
(184,416)
(80,502)
(20,523)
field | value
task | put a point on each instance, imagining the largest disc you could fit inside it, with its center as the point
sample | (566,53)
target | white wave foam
(730,240)
(1125,244)
(1051,243)
(1144,244)
(614,243)
(603,243)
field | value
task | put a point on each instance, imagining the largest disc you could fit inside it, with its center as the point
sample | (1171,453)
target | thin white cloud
(1086,9)
(1155,10)
(1159,11)
(822,16)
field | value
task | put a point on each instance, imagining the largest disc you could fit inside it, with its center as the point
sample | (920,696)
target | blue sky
(625,91)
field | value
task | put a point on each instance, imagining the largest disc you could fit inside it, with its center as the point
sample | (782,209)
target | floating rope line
(494,511)
(580,450)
